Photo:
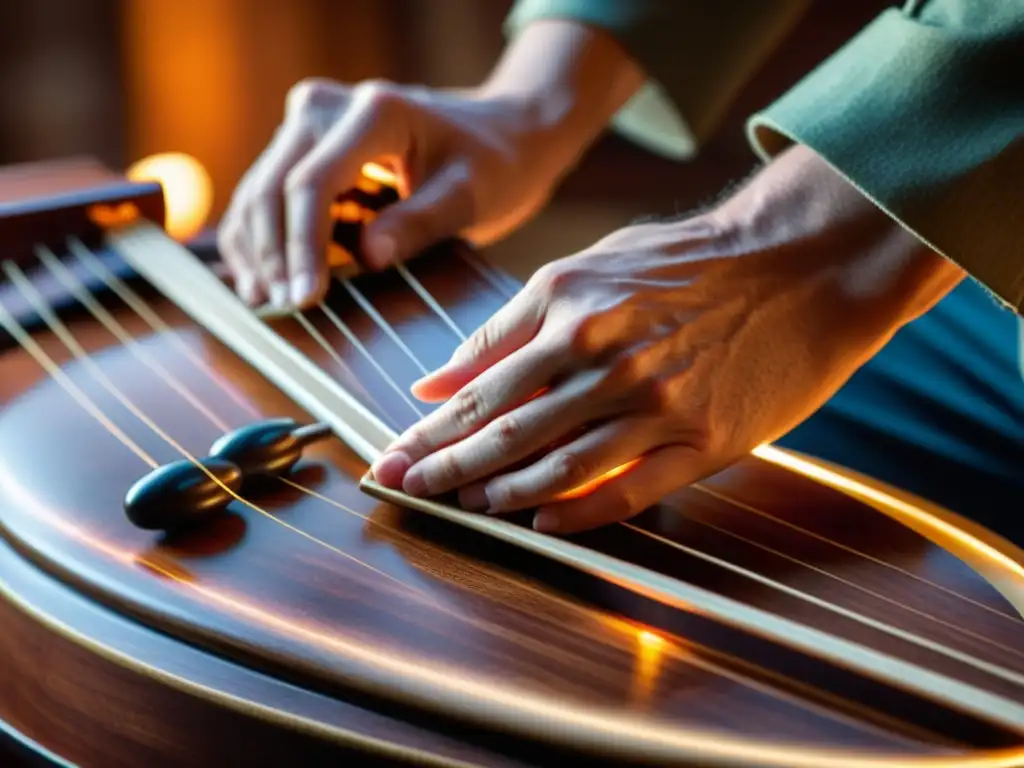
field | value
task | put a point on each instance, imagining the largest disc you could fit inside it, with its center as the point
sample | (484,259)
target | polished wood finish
(45,204)
(317,621)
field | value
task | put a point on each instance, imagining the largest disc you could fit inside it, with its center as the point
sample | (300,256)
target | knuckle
(449,470)
(581,336)
(568,469)
(306,94)
(554,279)
(481,341)
(509,432)
(416,443)
(658,393)
(378,97)
(468,408)
(299,178)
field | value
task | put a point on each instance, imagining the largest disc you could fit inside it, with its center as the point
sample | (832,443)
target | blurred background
(120,80)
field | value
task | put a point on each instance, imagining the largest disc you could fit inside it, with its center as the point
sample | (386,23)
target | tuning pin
(268,448)
(182,494)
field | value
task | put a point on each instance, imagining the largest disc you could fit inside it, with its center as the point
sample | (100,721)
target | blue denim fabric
(938,412)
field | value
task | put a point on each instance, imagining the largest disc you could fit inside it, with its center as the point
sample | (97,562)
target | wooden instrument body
(322,621)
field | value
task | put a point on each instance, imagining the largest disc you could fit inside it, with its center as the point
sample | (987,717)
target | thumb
(440,208)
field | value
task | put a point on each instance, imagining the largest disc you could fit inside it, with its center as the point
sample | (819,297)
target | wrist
(565,81)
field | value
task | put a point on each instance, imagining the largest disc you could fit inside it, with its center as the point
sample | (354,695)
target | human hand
(667,351)
(476,163)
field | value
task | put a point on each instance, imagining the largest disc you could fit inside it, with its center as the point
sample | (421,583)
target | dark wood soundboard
(316,622)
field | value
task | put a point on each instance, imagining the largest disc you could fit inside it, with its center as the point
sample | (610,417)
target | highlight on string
(162,565)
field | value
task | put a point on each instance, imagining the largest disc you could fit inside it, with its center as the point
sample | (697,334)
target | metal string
(79,291)
(366,305)
(485,270)
(381,323)
(333,354)
(17,331)
(46,313)
(100,270)
(355,342)
(1012,676)
(112,325)
(117,329)
(50,261)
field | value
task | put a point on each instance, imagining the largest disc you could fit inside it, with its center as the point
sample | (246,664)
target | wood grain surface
(314,620)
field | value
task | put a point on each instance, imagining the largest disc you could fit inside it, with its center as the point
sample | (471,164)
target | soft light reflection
(593,485)
(648,639)
(380,174)
(188,190)
(887,503)
(416,673)
(650,651)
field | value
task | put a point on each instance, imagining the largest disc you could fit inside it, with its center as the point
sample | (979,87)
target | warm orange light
(887,503)
(650,652)
(380,174)
(593,485)
(650,640)
(188,190)
(368,185)
(108,216)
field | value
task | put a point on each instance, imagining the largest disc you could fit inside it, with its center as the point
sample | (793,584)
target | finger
(265,200)
(440,208)
(511,437)
(642,485)
(572,468)
(374,126)
(499,389)
(232,248)
(508,330)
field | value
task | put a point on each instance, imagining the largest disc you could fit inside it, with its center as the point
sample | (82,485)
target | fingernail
(473,498)
(545,522)
(382,249)
(304,287)
(414,483)
(279,295)
(434,374)
(390,468)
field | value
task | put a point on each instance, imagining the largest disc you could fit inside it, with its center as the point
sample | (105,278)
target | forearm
(573,78)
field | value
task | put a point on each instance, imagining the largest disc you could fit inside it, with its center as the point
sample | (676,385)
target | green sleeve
(697,55)
(924,112)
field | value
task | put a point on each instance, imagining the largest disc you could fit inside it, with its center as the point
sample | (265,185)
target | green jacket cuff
(924,113)
(696,57)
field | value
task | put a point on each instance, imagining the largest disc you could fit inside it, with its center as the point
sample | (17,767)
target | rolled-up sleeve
(924,112)
(697,55)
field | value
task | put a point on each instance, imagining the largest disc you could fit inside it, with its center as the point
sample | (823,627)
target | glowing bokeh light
(188,190)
